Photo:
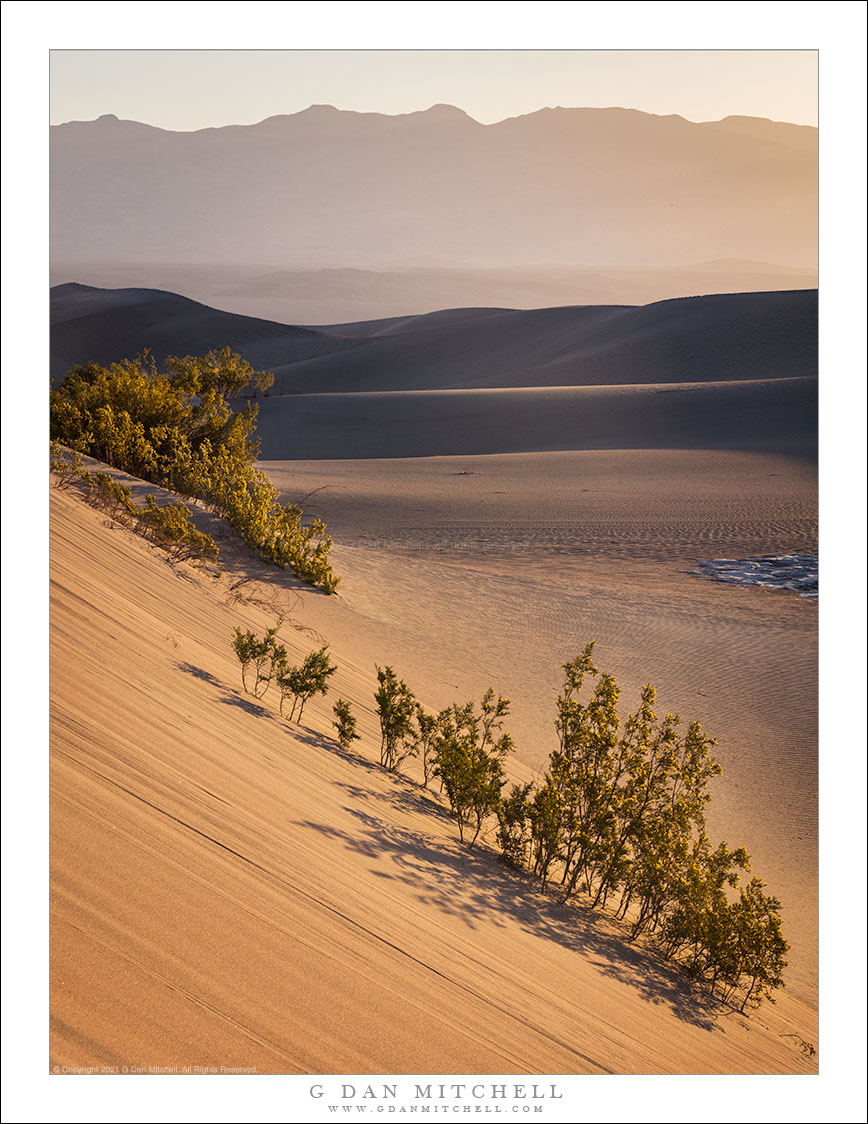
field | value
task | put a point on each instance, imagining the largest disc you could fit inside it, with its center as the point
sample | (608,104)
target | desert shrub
(735,946)
(693,930)
(614,795)
(107,494)
(171,526)
(620,812)
(761,949)
(178,429)
(548,823)
(64,464)
(396,707)
(468,759)
(514,830)
(260,659)
(424,737)
(345,723)
(302,683)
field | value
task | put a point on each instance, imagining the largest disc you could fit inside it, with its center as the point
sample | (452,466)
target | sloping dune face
(756,415)
(351,299)
(737,336)
(108,325)
(230,889)
(730,371)
(693,339)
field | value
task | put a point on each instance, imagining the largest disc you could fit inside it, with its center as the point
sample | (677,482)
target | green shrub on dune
(178,429)
(261,659)
(303,682)
(345,724)
(620,816)
(396,707)
(469,753)
(168,526)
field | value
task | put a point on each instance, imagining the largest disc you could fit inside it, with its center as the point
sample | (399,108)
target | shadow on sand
(247,705)
(230,698)
(474,885)
(199,673)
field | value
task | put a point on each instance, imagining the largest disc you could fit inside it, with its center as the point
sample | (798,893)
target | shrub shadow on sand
(247,705)
(199,673)
(332,746)
(475,886)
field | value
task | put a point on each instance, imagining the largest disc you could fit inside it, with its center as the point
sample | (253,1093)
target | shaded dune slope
(401,325)
(728,371)
(692,339)
(350,301)
(228,889)
(778,415)
(107,325)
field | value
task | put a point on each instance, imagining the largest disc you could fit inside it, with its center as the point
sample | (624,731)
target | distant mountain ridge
(326,187)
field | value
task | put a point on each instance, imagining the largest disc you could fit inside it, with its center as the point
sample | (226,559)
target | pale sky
(185,90)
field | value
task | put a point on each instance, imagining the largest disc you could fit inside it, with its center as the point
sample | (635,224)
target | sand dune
(228,889)
(469,572)
(408,288)
(699,339)
(107,325)
(724,338)
(775,415)
(402,325)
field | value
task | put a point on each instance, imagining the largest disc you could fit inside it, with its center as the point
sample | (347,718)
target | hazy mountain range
(585,188)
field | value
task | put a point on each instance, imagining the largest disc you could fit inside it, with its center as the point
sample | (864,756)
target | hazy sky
(181,89)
